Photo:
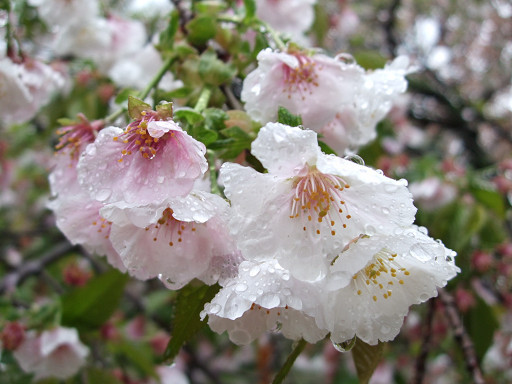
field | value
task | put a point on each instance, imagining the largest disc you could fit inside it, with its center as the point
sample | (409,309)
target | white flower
(264,296)
(25,88)
(55,353)
(137,70)
(66,12)
(309,205)
(291,17)
(378,278)
(372,98)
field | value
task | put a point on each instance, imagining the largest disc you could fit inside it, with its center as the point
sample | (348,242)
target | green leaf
(250,9)
(285,117)
(139,354)
(214,71)
(136,107)
(485,193)
(205,135)
(66,122)
(326,149)
(201,29)
(236,133)
(187,323)
(124,95)
(370,59)
(97,375)
(215,118)
(166,40)
(481,323)
(366,358)
(189,115)
(178,93)
(88,307)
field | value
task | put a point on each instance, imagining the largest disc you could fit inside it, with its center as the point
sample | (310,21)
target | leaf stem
(281,375)
(143,94)
(275,36)
(203,100)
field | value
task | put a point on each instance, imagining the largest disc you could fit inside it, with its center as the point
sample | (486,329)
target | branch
(419,371)
(389,26)
(461,336)
(35,267)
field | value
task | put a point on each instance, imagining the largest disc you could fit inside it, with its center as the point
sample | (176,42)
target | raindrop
(214,309)
(355,159)
(241,287)
(345,58)
(369,230)
(160,179)
(390,188)
(345,346)
(103,194)
(385,211)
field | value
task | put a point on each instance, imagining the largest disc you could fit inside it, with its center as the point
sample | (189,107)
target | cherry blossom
(291,17)
(182,239)
(143,164)
(313,204)
(54,353)
(24,88)
(264,296)
(379,278)
(313,86)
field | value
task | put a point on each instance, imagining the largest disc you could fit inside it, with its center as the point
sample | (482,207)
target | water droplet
(345,58)
(385,211)
(214,309)
(355,159)
(422,252)
(345,346)
(241,287)
(160,179)
(103,194)
(369,230)
(270,301)
(385,329)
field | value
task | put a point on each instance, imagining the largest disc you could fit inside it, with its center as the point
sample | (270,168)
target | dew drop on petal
(241,287)
(385,329)
(345,346)
(214,309)
(270,301)
(103,194)
(419,252)
(254,271)
(355,159)
(385,211)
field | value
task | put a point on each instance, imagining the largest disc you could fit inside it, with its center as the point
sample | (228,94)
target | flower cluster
(137,195)
(328,246)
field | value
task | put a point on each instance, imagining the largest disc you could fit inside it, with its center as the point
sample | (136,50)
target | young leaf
(189,115)
(250,9)
(213,71)
(366,358)
(136,107)
(88,307)
(201,29)
(187,322)
(285,117)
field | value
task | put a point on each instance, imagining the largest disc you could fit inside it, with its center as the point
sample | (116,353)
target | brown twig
(35,267)
(461,336)
(419,371)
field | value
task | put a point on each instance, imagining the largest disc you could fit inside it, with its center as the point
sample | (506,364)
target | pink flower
(183,239)
(313,86)
(25,88)
(55,353)
(291,17)
(148,162)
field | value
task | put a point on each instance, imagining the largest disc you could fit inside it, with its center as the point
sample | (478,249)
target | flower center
(103,226)
(380,276)
(174,229)
(300,79)
(318,199)
(74,138)
(137,138)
